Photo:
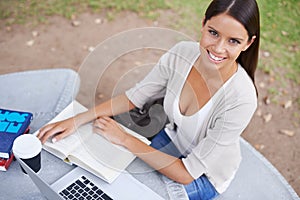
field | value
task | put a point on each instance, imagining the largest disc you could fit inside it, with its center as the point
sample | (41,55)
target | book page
(101,157)
(114,156)
(90,150)
(63,147)
(107,153)
(89,163)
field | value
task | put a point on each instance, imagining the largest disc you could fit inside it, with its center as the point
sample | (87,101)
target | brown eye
(213,33)
(234,41)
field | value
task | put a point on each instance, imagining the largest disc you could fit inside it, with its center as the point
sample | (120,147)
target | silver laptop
(80,184)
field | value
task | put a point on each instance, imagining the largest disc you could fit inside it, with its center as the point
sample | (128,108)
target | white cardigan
(217,153)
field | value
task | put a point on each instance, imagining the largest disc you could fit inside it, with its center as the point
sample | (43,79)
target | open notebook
(89,150)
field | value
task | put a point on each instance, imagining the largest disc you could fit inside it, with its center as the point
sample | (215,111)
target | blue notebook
(12,124)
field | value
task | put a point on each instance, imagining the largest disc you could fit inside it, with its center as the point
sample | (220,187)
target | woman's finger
(44,129)
(97,130)
(58,137)
(53,131)
(99,123)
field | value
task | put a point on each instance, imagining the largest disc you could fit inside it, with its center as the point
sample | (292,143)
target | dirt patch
(274,130)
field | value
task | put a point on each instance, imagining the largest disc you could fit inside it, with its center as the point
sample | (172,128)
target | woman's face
(223,39)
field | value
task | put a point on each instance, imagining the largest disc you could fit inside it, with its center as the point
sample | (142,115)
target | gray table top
(47,92)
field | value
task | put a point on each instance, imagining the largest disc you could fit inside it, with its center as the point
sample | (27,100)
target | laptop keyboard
(83,188)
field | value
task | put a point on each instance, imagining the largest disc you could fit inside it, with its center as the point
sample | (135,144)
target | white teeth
(215,57)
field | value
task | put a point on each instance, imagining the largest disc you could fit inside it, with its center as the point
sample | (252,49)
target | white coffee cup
(28,148)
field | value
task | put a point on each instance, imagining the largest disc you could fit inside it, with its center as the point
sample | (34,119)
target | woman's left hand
(110,129)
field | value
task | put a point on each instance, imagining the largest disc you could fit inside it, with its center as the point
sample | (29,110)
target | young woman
(209,97)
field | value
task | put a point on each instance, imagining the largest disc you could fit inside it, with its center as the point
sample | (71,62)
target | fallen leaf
(90,49)
(30,43)
(98,21)
(287,132)
(262,85)
(259,146)
(294,48)
(284,33)
(267,117)
(75,23)
(266,54)
(35,33)
(287,104)
(267,100)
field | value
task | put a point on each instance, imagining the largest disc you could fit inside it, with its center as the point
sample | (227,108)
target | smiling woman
(223,39)
(209,98)
(246,14)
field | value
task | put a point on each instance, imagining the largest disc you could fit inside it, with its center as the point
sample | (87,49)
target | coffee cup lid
(27,146)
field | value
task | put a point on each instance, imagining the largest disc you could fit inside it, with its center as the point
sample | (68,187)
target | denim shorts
(199,189)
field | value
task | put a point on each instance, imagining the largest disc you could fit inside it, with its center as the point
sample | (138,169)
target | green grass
(280,22)
(22,11)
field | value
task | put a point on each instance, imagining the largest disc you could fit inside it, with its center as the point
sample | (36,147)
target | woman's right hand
(57,130)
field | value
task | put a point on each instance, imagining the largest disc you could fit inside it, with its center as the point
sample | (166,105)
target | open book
(89,150)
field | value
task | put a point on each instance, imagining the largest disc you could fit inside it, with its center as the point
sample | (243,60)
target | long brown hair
(247,13)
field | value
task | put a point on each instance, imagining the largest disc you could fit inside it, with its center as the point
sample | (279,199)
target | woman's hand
(58,130)
(109,129)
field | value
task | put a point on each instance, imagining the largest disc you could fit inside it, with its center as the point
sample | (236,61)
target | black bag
(147,121)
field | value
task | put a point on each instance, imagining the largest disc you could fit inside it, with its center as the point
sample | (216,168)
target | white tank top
(186,137)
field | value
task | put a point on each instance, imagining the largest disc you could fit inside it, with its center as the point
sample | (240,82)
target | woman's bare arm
(170,166)
(59,130)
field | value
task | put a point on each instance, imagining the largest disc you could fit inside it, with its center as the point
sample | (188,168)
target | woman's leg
(201,189)
(163,143)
